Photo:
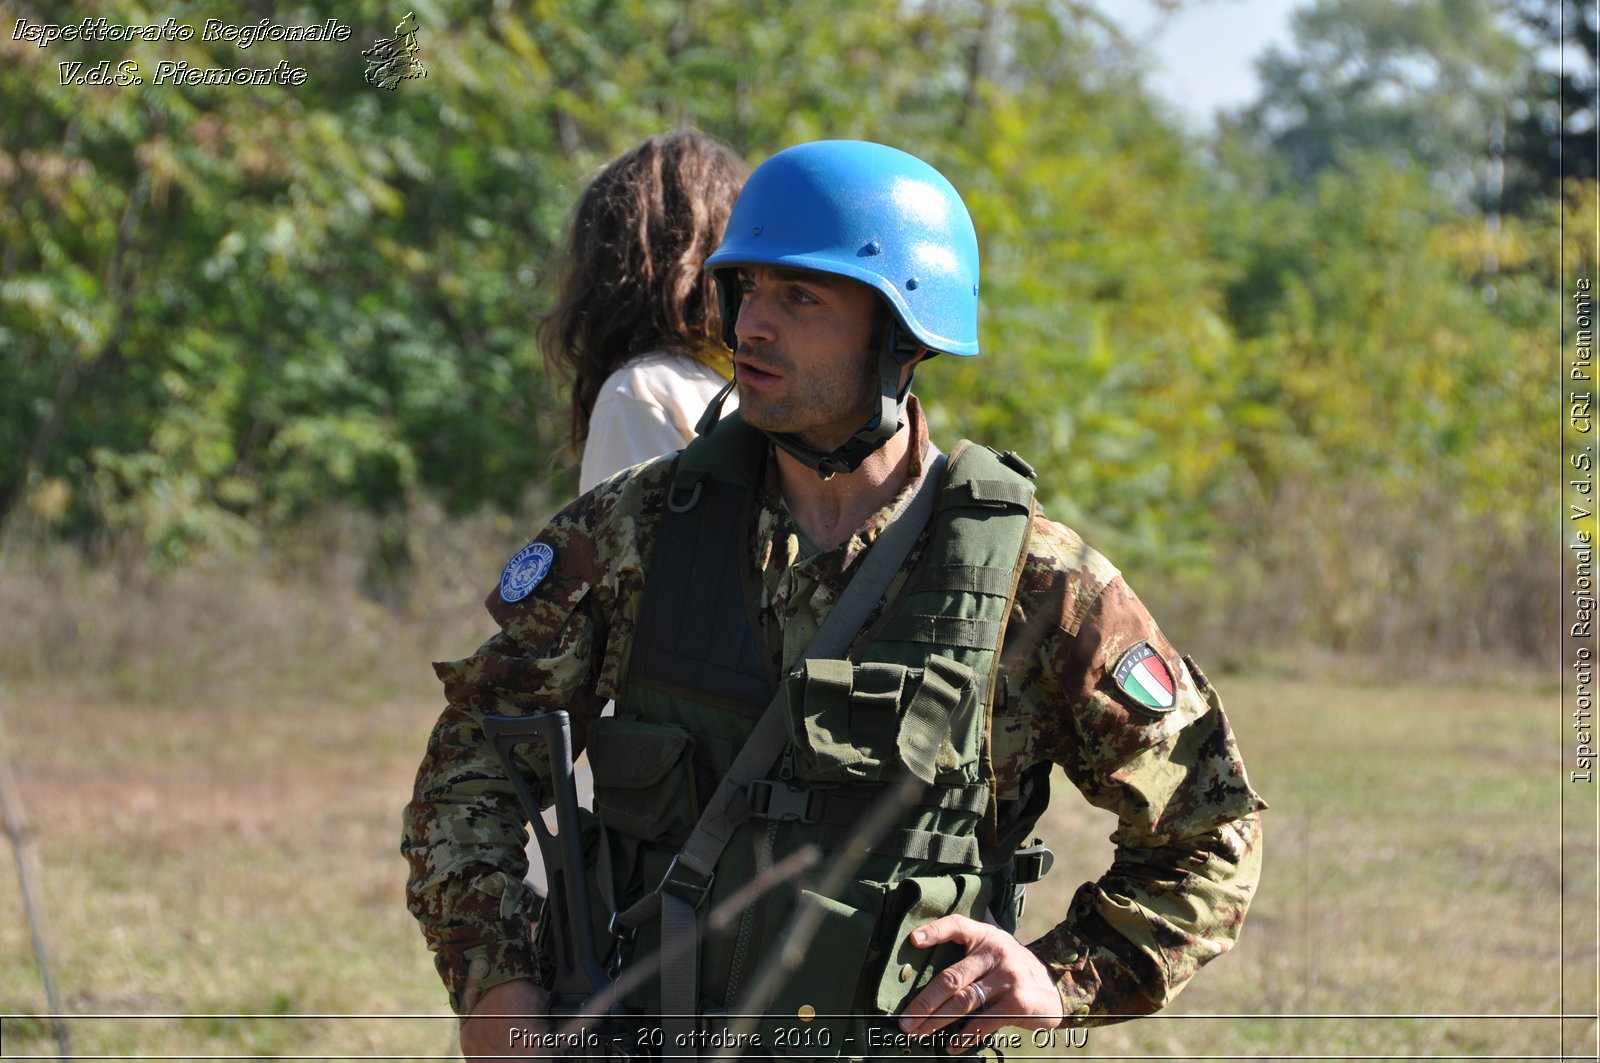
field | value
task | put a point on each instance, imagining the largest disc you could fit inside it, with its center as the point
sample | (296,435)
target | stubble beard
(817,407)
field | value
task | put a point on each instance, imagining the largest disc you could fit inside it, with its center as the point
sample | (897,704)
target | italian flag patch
(1144,678)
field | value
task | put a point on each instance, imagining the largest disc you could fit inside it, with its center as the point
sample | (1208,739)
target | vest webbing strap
(942,631)
(993,581)
(994,492)
(903,842)
(688,879)
(846,808)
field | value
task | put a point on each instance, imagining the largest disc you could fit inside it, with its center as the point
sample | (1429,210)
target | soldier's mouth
(750,373)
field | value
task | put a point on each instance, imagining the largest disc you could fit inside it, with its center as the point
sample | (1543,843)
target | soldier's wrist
(485,966)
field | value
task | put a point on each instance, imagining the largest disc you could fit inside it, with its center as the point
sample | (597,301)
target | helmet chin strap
(870,436)
(898,349)
(708,420)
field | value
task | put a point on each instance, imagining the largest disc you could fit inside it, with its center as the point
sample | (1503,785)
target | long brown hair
(631,277)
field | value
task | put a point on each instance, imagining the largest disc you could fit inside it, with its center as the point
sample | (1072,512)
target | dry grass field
(223,880)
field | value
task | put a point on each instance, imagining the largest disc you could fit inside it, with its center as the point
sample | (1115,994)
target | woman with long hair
(635,326)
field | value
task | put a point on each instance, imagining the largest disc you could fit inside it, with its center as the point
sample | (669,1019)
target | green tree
(1552,138)
(1423,81)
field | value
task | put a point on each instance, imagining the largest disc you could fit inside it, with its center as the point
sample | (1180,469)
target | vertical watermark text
(1579,431)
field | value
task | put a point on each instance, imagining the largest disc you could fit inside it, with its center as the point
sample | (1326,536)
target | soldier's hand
(998,983)
(508,1022)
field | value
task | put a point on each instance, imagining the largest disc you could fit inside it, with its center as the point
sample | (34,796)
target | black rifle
(579,976)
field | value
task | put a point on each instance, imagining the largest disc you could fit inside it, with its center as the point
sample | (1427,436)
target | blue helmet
(868,212)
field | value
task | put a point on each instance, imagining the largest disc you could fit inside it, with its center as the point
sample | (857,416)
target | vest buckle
(622,932)
(770,800)
(679,882)
(675,500)
(1033,863)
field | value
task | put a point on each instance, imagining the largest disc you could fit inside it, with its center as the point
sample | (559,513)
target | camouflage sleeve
(1162,758)
(464,833)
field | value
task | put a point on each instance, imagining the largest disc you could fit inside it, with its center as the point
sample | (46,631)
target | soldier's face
(804,364)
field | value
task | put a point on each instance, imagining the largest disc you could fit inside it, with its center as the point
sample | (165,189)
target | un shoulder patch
(1144,678)
(525,571)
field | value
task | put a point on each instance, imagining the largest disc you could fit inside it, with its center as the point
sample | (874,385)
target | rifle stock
(579,976)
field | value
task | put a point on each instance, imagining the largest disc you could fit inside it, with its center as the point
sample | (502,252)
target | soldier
(879,834)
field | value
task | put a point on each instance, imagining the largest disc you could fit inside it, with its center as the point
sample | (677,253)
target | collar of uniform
(778,535)
(799,584)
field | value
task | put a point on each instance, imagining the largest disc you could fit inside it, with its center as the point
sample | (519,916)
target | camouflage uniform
(1188,836)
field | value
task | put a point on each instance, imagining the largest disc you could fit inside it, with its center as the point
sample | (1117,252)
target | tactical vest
(912,701)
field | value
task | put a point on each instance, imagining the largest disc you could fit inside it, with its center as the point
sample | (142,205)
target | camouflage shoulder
(614,509)
(624,496)
(631,484)
(583,550)
(1056,551)
(627,513)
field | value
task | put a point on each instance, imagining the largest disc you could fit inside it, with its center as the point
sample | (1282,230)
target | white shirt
(645,409)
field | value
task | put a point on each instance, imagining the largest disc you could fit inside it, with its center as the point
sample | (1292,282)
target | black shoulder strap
(695,631)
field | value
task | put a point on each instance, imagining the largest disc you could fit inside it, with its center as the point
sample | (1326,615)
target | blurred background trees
(1296,376)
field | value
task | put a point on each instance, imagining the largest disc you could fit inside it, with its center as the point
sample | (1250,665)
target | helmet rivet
(872,248)
(756,231)
(911,285)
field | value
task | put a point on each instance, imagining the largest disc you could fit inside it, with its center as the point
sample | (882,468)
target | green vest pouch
(920,901)
(644,780)
(852,723)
